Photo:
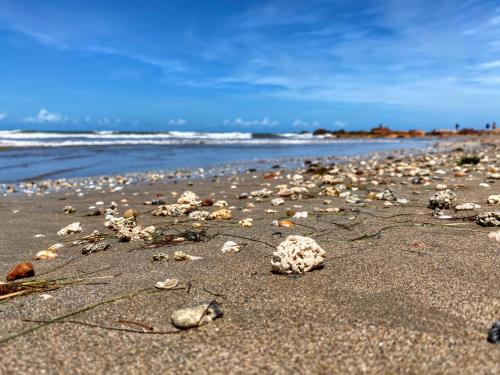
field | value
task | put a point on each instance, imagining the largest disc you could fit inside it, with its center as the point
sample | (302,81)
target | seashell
(196,316)
(45,255)
(286,223)
(167,284)
(21,271)
(181,255)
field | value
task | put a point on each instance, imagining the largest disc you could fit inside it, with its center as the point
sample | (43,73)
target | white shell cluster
(297,254)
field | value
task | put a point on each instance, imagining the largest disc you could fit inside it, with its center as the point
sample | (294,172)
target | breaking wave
(24,138)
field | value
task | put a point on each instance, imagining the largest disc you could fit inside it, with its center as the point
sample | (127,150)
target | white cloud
(240,122)
(340,124)
(177,121)
(3,116)
(490,65)
(305,124)
(45,116)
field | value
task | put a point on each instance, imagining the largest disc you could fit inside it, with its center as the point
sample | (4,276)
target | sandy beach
(403,288)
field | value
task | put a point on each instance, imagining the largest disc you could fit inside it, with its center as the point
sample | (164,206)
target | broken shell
(188,197)
(21,271)
(45,255)
(167,284)
(181,255)
(277,201)
(230,246)
(197,315)
(300,215)
(286,223)
(248,222)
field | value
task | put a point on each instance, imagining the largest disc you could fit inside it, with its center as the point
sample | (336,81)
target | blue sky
(248,65)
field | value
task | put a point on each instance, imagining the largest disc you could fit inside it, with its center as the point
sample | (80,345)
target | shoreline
(403,289)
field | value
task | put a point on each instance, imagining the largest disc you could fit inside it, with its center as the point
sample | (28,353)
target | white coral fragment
(297,254)
(70,229)
(188,197)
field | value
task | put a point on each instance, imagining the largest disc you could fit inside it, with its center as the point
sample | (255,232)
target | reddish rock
(21,271)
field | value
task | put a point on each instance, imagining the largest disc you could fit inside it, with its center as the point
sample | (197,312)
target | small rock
(196,316)
(494,333)
(69,210)
(467,207)
(223,214)
(21,271)
(160,257)
(494,199)
(131,213)
(95,247)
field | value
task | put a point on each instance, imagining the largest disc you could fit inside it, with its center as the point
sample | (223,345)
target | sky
(267,66)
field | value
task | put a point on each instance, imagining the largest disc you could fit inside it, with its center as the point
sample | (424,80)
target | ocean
(33,155)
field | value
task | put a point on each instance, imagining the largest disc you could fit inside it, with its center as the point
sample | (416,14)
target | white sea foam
(17,138)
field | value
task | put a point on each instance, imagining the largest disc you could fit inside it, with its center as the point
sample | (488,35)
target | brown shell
(22,270)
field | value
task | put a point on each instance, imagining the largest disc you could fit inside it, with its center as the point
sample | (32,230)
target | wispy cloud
(45,116)
(177,121)
(240,122)
(3,116)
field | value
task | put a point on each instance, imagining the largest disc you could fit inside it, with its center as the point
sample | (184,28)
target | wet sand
(401,291)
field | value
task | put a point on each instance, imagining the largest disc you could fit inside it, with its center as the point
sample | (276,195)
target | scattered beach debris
(196,316)
(21,271)
(297,254)
(70,229)
(189,198)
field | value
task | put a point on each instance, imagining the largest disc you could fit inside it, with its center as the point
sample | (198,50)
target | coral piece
(70,229)
(175,209)
(488,219)
(190,198)
(443,200)
(297,254)
(223,214)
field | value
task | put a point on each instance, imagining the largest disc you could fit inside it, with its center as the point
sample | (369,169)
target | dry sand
(418,298)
